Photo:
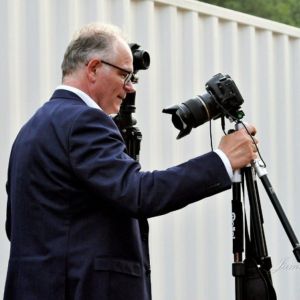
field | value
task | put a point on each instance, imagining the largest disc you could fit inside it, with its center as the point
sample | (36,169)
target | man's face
(109,89)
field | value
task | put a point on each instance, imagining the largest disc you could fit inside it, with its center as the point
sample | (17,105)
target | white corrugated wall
(188,42)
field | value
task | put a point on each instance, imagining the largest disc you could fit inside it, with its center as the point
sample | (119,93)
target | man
(77,203)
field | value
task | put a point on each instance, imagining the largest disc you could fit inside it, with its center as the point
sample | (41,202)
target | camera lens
(141,60)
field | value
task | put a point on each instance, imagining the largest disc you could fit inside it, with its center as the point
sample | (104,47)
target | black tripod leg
(238,267)
(262,173)
(256,218)
(257,230)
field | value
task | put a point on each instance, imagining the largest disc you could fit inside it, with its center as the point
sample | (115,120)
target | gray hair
(92,39)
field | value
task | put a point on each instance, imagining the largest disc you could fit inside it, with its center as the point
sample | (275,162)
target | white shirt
(91,103)
(226,162)
(82,95)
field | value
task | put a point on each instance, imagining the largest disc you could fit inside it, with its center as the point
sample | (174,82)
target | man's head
(99,62)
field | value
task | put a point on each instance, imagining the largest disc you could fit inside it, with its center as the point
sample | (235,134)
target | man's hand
(239,147)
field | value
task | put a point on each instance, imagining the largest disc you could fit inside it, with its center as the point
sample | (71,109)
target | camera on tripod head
(141,61)
(124,119)
(222,99)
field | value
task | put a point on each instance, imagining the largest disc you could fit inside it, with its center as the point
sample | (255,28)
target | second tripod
(253,279)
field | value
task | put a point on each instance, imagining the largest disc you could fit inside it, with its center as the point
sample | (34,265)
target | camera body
(222,99)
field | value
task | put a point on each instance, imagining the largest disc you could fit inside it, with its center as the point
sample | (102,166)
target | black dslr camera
(222,99)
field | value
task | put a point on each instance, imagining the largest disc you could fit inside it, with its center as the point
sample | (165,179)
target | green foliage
(283,11)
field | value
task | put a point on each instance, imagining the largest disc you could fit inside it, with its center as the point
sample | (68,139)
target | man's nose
(128,87)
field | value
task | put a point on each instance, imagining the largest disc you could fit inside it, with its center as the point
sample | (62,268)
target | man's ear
(92,69)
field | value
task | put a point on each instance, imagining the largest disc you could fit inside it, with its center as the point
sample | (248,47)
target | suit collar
(64,94)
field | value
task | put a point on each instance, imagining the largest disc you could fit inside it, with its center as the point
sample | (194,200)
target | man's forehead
(124,54)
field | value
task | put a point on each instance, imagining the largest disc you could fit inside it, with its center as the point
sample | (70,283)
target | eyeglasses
(129,77)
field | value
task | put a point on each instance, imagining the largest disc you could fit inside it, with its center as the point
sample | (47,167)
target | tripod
(125,122)
(253,279)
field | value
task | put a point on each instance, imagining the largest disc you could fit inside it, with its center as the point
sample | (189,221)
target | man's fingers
(250,129)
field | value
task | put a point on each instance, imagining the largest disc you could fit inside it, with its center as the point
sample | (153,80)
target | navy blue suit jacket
(78,206)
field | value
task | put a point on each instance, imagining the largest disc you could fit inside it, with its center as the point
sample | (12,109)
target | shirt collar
(82,95)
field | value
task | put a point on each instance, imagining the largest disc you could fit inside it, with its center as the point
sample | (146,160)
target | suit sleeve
(98,158)
(8,211)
